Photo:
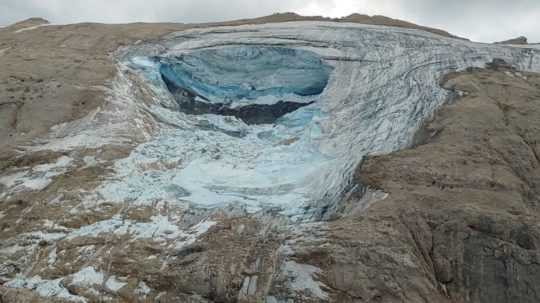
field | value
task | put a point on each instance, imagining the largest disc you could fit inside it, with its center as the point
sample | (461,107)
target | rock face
(398,179)
(57,73)
(517,41)
(383,20)
(354,18)
(469,193)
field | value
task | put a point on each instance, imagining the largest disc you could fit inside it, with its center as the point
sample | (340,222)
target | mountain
(277,159)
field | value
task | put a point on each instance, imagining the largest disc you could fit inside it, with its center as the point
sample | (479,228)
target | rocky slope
(516,41)
(132,171)
(467,195)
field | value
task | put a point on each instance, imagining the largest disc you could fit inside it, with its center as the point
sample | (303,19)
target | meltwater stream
(279,115)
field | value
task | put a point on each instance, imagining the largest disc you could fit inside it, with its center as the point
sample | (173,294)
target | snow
(44,288)
(160,228)
(301,279)
(90,161)
(87,276)
(49,237)
(142,289)
(249,286)
(115,224)
(195,232)
(35,178)
(13,179)
(113,284)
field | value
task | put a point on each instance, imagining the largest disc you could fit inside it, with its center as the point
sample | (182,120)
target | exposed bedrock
(467,199)
(521,40)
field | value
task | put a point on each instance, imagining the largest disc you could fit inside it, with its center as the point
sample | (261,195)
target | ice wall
(236,74)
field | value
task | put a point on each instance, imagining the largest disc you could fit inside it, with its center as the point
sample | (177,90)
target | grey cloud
(480,20)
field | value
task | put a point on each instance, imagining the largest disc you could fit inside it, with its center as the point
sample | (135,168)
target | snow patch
(195,232)
(45,288)
(87,276)
(35,178)
(24,29)
(160,228)
(301,279)
(113,284)
(52,257)
(142,289)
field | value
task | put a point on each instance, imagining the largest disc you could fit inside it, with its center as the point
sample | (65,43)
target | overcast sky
(479,20)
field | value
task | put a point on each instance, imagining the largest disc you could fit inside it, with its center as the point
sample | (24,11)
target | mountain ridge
(410,175)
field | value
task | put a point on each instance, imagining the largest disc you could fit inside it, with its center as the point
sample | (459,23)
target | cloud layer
(480,20)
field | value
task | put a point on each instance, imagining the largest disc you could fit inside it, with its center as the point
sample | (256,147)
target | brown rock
(517,41)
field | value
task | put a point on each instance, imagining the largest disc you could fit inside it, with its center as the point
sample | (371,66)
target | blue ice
(236,73)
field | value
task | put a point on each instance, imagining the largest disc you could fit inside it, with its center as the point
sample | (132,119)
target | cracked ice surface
(383,82)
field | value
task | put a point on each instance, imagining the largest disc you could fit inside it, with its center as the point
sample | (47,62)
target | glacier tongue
(372,87)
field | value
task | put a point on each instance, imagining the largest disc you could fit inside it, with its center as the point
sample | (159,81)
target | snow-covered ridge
(383,83)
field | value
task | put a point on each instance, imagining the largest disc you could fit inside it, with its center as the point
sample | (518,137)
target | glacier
(357,90)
